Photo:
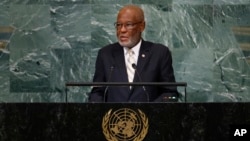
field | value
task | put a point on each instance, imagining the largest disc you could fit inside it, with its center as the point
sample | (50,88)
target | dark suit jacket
(154,65)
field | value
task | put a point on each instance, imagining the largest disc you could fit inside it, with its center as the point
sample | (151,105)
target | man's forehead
(127,15)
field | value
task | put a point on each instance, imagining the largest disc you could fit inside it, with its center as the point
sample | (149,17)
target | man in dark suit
(150,63)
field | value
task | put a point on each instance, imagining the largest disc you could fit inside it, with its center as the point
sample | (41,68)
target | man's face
(129,28)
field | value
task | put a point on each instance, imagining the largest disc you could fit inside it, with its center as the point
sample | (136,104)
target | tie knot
(131,52)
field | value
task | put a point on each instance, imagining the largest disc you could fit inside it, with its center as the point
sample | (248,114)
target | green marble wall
(45,43)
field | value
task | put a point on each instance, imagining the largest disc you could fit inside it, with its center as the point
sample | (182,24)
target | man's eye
(118,25)
(129,24)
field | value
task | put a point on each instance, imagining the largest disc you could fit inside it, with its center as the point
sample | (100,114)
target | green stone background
(56,41)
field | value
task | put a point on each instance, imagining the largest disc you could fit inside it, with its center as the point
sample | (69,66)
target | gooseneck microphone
(107,87)
(143,87)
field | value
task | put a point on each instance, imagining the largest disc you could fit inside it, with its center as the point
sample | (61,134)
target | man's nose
(123,28)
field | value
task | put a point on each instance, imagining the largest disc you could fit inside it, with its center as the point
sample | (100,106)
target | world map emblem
(125,125)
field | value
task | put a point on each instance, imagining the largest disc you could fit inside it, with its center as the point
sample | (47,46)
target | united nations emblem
(125,125)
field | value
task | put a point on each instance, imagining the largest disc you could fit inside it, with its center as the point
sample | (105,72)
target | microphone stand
(143,87)
(106,89)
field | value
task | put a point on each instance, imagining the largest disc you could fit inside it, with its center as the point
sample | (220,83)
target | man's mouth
(123,38)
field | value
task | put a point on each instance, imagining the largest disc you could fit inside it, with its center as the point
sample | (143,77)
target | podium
(84,121)
(124,84)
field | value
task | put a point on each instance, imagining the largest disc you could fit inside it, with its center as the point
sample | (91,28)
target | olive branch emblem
(105,131)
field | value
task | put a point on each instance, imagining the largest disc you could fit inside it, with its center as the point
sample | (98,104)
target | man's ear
(143,26)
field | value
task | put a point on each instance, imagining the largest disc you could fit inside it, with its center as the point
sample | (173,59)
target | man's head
(129,25)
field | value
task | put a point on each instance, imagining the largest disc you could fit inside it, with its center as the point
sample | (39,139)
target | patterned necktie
(130,69)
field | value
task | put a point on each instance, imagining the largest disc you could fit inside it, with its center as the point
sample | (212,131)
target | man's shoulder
(156,45)
(109,46)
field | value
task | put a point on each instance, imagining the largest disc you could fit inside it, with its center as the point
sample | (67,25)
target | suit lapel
(119,60)
(144,55)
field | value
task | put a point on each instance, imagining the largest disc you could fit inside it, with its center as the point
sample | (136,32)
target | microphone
(107,87)
(143,87)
